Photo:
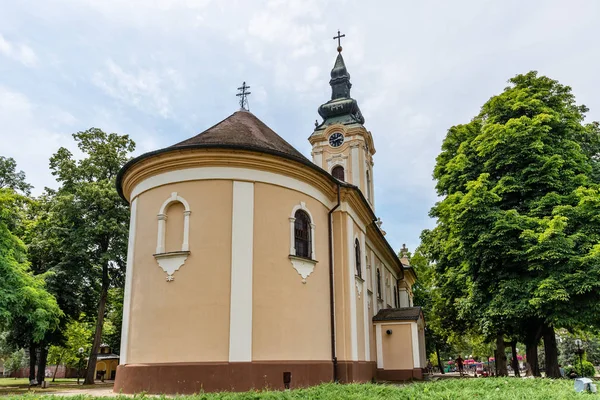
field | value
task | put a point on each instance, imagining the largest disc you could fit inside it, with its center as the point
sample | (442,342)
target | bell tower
(341,145)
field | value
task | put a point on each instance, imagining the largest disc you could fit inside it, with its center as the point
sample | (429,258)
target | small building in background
(106,364)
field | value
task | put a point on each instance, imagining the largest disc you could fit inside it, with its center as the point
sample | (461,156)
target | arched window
(302,234)
(179,227)
(338,172)
(357,258)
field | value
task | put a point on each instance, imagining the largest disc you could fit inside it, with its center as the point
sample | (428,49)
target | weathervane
(339,39)
(244,97)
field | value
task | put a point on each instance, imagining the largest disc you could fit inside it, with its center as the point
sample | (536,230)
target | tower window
(302,234)
(338,172)
(357,258)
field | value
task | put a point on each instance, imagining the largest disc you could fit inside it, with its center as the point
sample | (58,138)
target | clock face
(336,139)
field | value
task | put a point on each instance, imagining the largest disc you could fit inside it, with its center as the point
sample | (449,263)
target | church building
(250,266)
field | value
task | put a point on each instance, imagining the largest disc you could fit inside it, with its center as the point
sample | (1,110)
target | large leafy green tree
(27,310)
(514,248)
(93,218)
(10,178)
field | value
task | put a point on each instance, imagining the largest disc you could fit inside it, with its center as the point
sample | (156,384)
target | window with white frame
(302,233)
(180,204)
(357,258)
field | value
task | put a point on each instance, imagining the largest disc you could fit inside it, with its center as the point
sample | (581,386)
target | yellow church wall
(372,342)
(358,296)
(342,314)
(291,319)
(185,320)
(397,347)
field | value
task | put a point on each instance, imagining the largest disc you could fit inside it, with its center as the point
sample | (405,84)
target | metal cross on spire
(243,95)
(339,39)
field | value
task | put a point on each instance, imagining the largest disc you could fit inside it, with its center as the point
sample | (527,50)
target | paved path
(101,391)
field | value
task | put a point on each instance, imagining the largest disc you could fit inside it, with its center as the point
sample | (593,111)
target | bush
(588,369)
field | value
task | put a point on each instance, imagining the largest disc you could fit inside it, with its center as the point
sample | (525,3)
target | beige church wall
(369,278)
(372,342)
(291,319)
(360,326)
(342,309)
(397,347)
(186,320)
(358,296)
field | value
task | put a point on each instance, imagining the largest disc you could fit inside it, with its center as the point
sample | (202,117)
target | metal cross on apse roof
(244,97)
(339,39)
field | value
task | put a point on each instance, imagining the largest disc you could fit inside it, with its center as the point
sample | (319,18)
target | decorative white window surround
(304,266)
(360,282)
(173,260)
(336,159)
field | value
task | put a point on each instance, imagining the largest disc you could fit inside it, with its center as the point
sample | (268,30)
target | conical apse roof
(244,130)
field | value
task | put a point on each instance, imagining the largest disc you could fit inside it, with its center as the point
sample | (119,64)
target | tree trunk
(551,353)
(500,356)
(437,351)
(32,361)
(91,367)
(532,339)
(41,372)
(56,369)
(515,359)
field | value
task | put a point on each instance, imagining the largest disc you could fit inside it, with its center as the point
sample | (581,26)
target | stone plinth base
(356,371)
(399,374)
(188,378)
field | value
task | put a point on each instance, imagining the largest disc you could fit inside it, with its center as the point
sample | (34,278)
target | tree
(511,241)
(15,361)
(428,297)
(10,178)
(94,218)
(78,335)
(24,301)
(27,310)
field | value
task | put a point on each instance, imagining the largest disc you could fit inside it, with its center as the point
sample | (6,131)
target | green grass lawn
(24,381)
(20,386)
(446,389)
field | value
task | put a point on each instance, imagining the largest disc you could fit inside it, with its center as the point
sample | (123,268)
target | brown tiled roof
(242,129)
(398,314)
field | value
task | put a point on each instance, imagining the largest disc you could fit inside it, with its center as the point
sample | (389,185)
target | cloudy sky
(164,70)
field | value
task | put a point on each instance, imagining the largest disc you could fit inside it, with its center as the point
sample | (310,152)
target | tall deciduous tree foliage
(514,247)
(24,302)
(10,178)
(95,218)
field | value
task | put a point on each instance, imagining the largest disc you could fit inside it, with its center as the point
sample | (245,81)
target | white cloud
(20,52)
(146,89)
(30,134)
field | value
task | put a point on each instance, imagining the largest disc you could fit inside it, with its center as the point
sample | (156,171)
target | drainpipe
(331,290)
